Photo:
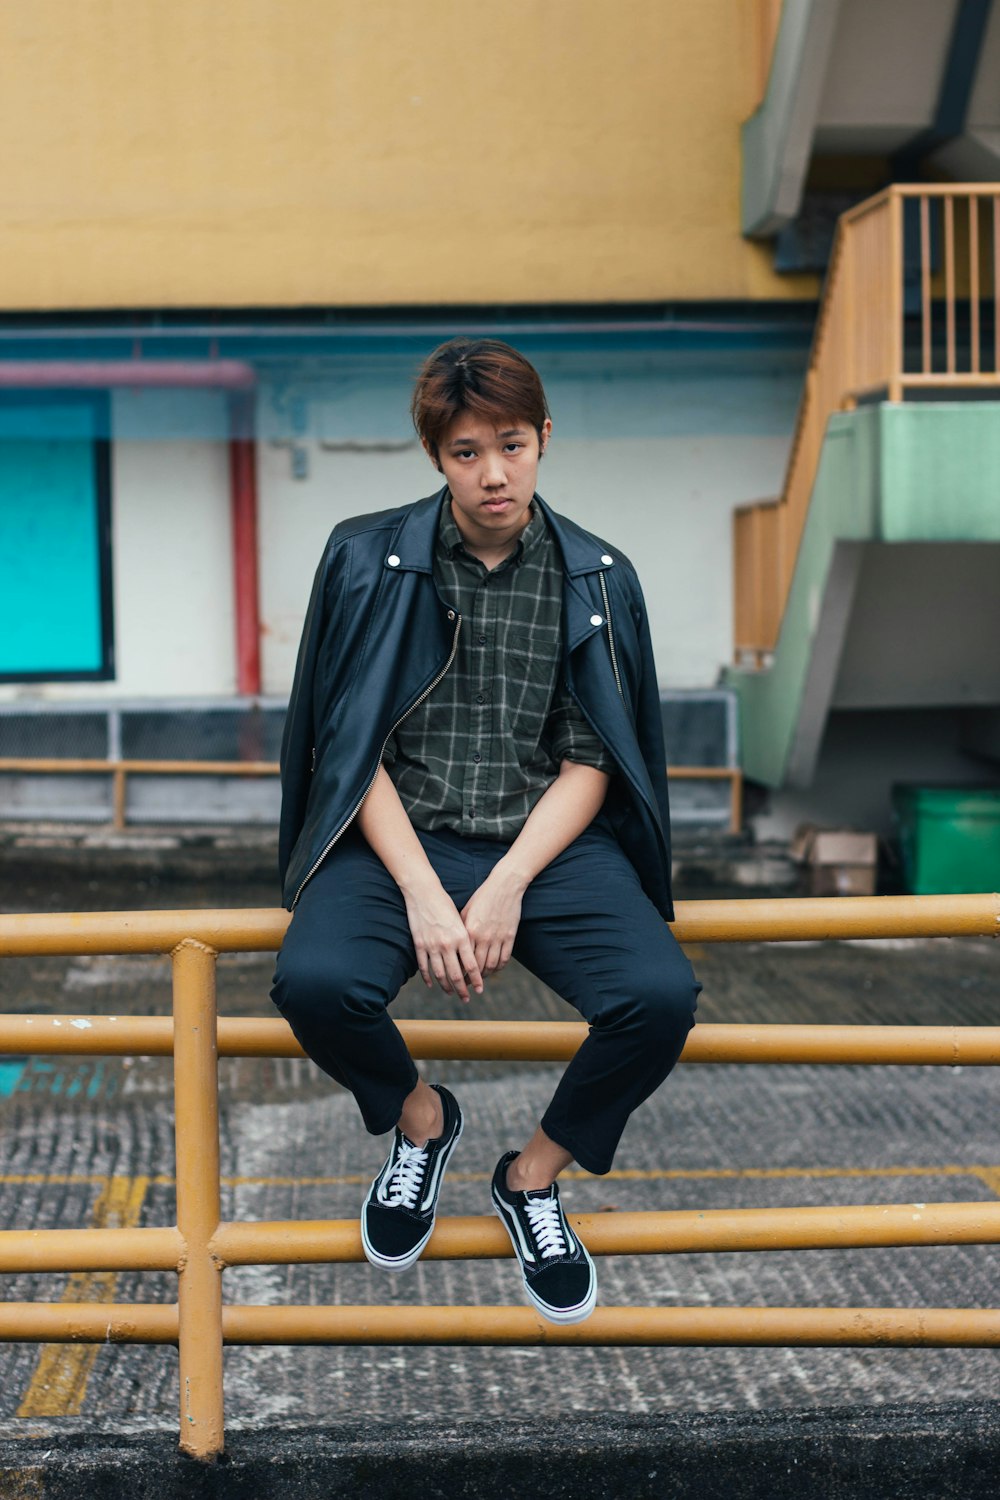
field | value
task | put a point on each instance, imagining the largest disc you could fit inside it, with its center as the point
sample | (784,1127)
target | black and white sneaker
(559,1275)
(398,1215)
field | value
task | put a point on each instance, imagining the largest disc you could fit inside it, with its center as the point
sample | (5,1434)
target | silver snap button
(393,561)
(596,620)
(607,559)
(451,614)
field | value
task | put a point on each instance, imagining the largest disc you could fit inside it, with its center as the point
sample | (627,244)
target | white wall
(668,503)
(296,516)
(173,570)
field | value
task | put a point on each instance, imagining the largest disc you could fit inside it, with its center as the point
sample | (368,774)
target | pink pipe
(78,374)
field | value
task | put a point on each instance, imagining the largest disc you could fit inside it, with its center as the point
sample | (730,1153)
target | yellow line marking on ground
(59,1384)
(990,1175)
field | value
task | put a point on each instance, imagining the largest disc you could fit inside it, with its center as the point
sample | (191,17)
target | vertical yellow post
(196,1115)
(896,272)
(118,783)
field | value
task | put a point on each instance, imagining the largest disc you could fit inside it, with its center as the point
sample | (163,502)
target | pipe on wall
(243,500)
(103,374)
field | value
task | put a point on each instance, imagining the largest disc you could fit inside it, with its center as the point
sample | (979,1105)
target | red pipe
(243,494)
(77,374)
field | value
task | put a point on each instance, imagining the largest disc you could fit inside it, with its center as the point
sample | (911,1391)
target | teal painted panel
(10,1075)
(45,415)
(941,471)
(50,573)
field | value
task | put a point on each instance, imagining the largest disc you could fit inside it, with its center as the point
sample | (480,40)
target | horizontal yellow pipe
(482,1238)
(288,1242)
(240,930)
(88,1323)
(635,1326)
(248,930)
(519,1041)
(857,1327)
(90,1249)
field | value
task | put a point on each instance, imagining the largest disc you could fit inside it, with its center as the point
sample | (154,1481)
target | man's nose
(494,473)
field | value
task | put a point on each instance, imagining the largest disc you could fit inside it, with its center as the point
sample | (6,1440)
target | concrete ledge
(891,1451)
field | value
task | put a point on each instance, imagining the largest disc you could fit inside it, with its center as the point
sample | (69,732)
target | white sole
(551,1314)
(404,1262)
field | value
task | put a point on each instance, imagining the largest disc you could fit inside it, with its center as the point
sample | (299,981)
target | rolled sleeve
(571,737)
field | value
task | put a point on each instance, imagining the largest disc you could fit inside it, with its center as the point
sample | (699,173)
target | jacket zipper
(416,704)
(611,635)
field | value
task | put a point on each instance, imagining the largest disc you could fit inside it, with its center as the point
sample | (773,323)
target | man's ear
(544,435)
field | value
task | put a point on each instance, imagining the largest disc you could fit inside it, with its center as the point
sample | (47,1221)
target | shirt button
(480,697)
(476,756)
(596,620)
(451,614)
(607,559)
(480,640)
(472,812)
(393,560)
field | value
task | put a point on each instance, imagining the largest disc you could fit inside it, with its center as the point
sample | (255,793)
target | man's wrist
(419,881)
(514,873)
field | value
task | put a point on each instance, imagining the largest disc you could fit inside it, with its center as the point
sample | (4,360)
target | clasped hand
(458,949)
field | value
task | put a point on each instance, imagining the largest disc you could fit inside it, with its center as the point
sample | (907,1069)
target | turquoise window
(55,594)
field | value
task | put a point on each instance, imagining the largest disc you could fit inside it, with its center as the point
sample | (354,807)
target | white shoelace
(402,1184)
(546,1226)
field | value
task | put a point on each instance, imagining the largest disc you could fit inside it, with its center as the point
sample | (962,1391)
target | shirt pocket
(528,669)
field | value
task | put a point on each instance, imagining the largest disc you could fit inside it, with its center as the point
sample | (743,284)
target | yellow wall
(286,152)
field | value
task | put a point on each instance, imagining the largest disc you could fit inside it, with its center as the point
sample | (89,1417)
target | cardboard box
(839,861)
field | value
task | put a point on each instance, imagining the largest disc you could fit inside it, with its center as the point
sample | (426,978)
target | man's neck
(489,550)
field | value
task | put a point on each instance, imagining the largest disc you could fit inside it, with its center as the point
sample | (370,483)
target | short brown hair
(485,377)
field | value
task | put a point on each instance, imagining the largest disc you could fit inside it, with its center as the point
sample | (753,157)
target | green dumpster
(949,838)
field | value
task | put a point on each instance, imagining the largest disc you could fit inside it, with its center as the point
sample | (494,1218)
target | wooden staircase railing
(923,259)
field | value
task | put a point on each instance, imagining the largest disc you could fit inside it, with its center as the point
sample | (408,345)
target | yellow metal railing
(200,1246)
(949,246)
(120,770)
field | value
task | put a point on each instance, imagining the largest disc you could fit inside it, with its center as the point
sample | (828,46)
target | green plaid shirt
(483,747)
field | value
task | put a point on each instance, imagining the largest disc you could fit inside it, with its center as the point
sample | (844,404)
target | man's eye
(466,453)
(512,447)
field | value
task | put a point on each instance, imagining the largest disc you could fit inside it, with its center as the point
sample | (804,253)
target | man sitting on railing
(473,769)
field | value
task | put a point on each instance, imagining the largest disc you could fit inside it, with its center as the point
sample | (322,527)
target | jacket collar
(413,543)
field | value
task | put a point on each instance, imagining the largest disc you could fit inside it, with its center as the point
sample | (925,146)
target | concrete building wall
(173,576)
(321,152)
(651,450)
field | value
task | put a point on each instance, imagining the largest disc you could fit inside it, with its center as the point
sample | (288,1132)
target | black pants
(587,930)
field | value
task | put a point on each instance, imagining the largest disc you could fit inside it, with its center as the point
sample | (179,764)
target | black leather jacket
(376,640)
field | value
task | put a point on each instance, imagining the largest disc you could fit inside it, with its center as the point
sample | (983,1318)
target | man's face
(491,472)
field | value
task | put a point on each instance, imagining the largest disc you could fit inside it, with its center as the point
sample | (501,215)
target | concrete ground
(88,1141)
